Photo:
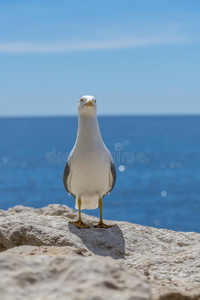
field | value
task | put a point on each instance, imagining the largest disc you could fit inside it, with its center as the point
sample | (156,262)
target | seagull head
(87,105)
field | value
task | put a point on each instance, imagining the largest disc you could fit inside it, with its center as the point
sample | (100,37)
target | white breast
(89,165)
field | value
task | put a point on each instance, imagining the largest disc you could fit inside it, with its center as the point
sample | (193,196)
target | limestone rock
(170,260)
(38,273)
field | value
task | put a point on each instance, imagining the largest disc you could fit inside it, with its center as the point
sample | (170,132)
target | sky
(135,56)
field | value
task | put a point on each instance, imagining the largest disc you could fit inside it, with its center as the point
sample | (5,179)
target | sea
(157,160)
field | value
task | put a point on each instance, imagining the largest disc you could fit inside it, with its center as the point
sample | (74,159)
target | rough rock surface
(169,260)
(52,273)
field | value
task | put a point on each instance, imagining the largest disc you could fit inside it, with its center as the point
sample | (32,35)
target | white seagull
(90,173)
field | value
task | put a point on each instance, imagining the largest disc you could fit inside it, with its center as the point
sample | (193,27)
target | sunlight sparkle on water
(121,168)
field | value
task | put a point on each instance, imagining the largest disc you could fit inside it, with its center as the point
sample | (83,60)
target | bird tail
(90,202)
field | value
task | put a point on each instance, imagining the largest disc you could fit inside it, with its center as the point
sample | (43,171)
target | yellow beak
(89,103)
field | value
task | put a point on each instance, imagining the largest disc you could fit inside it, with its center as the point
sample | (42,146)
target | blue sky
(136,57)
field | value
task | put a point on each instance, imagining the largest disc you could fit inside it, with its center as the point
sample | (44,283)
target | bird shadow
(102,241)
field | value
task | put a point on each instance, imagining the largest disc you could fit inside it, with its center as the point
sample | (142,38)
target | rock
(169,260)
(36,273)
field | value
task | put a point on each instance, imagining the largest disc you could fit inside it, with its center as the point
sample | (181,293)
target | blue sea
(157,160)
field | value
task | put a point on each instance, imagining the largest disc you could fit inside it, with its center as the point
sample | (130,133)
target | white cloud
(161,38)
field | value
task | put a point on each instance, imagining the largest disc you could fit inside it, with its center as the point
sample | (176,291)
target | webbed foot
(103,225)
(79,224)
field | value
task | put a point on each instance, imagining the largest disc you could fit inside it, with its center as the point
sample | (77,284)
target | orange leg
(101,224)
(79,223)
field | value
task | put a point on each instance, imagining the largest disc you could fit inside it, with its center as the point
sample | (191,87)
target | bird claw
(79,224)
(103,225)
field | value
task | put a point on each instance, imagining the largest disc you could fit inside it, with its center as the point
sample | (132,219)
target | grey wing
(67,179)
(112,177)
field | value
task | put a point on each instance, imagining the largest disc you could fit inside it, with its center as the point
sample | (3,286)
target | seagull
(89,173)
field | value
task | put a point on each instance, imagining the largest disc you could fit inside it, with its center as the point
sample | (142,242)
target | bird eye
(95,101)
(81,100)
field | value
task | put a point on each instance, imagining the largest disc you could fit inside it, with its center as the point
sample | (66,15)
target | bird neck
(88,130)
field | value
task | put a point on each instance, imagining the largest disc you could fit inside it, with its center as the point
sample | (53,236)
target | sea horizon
(100,115)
